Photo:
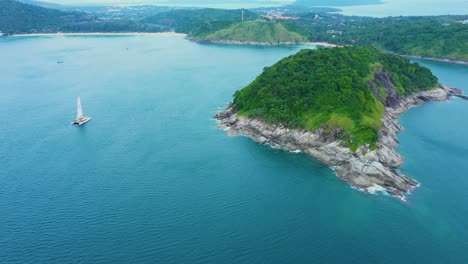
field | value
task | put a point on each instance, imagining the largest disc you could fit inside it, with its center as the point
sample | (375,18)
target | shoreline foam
(361,169)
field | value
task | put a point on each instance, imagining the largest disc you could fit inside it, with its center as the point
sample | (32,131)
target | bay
(409,8)
(150,179)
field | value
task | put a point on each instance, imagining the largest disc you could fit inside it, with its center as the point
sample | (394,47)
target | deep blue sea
(150,179)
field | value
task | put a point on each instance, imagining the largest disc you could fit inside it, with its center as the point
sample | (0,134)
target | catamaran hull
(81,122)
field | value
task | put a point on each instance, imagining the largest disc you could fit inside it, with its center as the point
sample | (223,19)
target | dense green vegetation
(200,22)
(333,88)
(439,37)
(111,26)
(256,31)
(17,17)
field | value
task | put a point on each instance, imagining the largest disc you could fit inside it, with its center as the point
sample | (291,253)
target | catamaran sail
(79,110)
(80,117)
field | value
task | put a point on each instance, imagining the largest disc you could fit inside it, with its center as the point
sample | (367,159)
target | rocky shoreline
(254,43)
(460,62)
(365,169)
(241,43)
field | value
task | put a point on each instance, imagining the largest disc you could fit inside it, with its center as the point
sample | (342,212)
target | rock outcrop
(365,169)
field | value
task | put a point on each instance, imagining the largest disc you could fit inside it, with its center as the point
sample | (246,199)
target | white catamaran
(80,117)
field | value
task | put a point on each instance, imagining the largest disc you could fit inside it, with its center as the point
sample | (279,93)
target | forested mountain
(440,37)
(17,17)
(345,88)
(43,4)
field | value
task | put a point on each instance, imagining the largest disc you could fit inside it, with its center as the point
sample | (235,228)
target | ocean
(151,179)
(409,8)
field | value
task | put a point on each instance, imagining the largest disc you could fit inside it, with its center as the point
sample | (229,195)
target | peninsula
(341,106)
(253,33)
(440,38)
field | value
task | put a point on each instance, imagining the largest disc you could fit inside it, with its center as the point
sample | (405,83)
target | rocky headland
(366,169)
(244,43)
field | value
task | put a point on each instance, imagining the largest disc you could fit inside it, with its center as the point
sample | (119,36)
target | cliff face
(383,87)
(365,169)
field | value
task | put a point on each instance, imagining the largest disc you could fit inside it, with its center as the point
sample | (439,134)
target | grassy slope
(330,88)
(256,31)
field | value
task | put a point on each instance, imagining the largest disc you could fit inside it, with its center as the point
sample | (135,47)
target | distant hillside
(432,36)
(199,22)
(256,31)
(43,4)
(17,17)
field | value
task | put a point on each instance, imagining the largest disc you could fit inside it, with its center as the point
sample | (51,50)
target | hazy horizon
(387,8)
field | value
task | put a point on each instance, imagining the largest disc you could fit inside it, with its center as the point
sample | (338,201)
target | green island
(340,105)
(346,88)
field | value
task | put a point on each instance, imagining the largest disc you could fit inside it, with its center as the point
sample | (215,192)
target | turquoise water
(150,179)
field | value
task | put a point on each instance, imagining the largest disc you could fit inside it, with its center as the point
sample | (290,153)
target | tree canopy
(333,88)
(438,37)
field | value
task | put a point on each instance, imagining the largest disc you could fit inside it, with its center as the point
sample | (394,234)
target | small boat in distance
(60,61)
(80,117)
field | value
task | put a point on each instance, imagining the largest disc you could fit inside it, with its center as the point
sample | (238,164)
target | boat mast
(79,110)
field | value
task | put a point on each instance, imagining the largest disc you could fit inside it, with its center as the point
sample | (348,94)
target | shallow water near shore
(150,179)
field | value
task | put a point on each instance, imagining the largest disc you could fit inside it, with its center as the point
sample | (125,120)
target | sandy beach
(101,34)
